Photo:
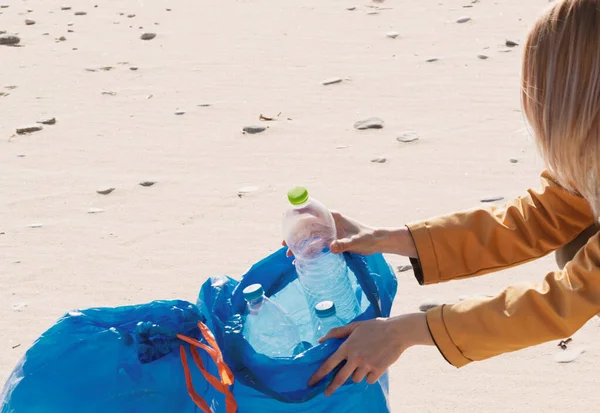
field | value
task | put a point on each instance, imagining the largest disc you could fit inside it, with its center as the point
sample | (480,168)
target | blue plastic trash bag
(113,360)
(265,385)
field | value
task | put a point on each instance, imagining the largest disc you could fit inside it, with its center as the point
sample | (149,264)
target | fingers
(330,364)
(339,332)
(360,374)
(373,376)
(342,245)
(340,378)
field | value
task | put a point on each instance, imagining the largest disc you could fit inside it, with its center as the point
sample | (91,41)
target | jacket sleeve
(523,315)
(480,241)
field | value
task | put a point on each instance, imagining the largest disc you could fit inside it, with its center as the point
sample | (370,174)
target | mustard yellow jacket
(477,242)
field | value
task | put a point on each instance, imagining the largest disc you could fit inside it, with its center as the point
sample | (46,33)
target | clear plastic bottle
(327,318)
(309,230)
(268,328)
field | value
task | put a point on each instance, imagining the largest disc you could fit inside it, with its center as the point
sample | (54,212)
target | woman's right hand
(354,236)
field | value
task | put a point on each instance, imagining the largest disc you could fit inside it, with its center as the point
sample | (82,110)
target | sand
(118,127)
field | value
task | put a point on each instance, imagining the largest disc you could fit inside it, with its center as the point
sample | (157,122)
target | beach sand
(65,246)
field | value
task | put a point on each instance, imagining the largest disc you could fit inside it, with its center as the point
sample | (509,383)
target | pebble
(407,137)
(134,68)
(432,59)
(70,24)
(105,191)
(147,183)
(511,43)
(428,305)
(514,160)
(109,93)
(148,36)
(9,39)
(95,210)
(332,81)
(247,190)
(131,16)
(204,105)
(80,13)
(47,121)
(29,22)
(254,129)
(463,19)
(372,13)
(180,112)
(351,8)
(483,56)
(65,8)
(379,160)
(29,129)
(492,199)
(392,35)
(36,225)
(369,123)
(62,39)
(404,268)
(3,6)
(19,307)
(70,31)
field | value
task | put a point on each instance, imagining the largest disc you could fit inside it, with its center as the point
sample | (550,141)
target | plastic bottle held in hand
(268,328)
(309,230)
(327,318)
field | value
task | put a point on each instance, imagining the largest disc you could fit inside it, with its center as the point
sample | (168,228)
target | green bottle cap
(298,195)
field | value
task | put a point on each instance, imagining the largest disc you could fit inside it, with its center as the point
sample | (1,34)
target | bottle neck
(256,304)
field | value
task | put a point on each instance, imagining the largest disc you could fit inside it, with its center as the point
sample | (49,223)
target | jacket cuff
(427,271)
(442,339)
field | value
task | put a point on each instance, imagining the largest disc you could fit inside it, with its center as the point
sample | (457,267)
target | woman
(561,101)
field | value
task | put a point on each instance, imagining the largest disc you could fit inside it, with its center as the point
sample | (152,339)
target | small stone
(463,19)
(29,22)
(148,36)
(351,8)
(168,9)
(332,81)
(483,56)
(3,6)
(204,105)
(21,156)
(514,160)
(379,160)
(70,31)
(392,35)
(9,39)
(70,24)
(407,137)
(65,8)
(29,129)
(180,112)
(432,59)
(47,121)
(131,16)
(105,191)
(254,129)
(62,39)
(134,68)
(95,210)
(19,307)
(109,93)
(511,43)
(428,305)
(492,199)
(106,68)
(247,190)
(404,268)
(16,346)
(36,225)
(147,183)
(369,123)
(80,13)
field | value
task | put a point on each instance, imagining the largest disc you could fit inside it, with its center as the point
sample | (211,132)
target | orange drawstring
(225,373)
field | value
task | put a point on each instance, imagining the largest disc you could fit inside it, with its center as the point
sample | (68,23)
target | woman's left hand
(372,346)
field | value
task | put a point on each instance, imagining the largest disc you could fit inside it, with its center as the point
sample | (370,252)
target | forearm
(396,241)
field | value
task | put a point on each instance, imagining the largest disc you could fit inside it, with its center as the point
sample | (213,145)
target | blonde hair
(561,94)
